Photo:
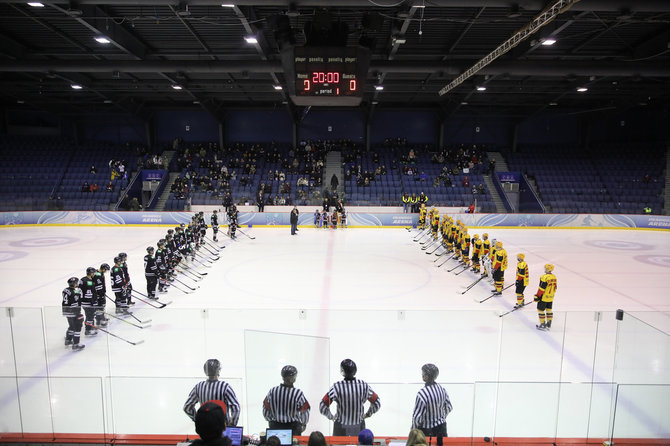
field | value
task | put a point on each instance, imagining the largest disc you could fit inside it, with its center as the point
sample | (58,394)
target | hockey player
(499,267)
(162,266)
(71,308)
(476,251)
(465,247)
(435,223)
(213,389)
(333,219)
(214,221)
(286,407)
(126,278)
(350,395)
(101,291)
(150,272)
(486,250)
(521,279)
(545,297)
(89,300)
(232,221)
(202,225)
(343,218)
(432,405)
(317,217)
(422,216)
(118,286)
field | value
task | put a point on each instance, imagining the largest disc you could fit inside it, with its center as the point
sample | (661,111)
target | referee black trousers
(438,431)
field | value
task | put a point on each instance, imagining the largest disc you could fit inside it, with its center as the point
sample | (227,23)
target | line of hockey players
(488,258)
(323,219)
(161,265)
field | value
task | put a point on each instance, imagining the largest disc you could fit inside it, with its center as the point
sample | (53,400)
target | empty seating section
(40,173)
(612,178)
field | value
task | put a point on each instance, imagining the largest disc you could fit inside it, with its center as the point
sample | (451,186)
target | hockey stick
(112,334)
(189,275)
(152,302)
(455,267)
(440,255)
(209,250)
(213,246)
(206,257)
(467,267)
(130,323)
(186,267)
(207,239)
(430,242)
(421,235)
(198,261)
(244,233)
(128,313)
(473,284)
(178,287)
(189,287)
(516,308)
(494,294)
(439,245)
(450,257)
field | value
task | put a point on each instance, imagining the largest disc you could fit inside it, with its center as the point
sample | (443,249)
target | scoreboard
(328,76)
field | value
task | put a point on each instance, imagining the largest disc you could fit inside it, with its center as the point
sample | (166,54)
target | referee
(213,389)
(286,407)
(350,395)
(432,406)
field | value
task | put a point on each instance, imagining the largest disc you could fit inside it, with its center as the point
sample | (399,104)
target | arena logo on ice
(658,260)
(659,222)
(618,244)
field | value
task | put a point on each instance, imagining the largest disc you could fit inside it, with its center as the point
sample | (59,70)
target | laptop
(285,435)
(235,435)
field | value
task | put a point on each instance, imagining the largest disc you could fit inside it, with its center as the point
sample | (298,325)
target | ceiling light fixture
(278,87)
(20,101)
(548,41)
(103,40)
(251,39)
(76,87)
(227,5)
(553,103)
(176,87)
(36,4)
(464,103)
(379,87)
(481,88)
(582,89)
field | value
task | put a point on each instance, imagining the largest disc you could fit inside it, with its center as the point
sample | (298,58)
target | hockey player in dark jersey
(89,300)
(232,221)
(214,221)
(101,290)
(162,265)
(202,226)
(118,286)
(126,278)
(150,272)
(71,307)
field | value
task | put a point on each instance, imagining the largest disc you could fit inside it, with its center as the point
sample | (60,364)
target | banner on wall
(354,219)
(152,175)
(509,177)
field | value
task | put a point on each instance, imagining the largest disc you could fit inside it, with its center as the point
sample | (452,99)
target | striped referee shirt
(350,396)
(286,405)
(432,406)
(213,390)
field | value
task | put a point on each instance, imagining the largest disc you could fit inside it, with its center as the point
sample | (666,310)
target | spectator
(405,202)
(273,441)
(135,204)
(94,187)
(481,189)
(416,438)
(465,182)
(110,187)
(316,438)
(85,187)
(471,208)
(366,437)
(423,176)
(210,423)
(93,170)
(334,182)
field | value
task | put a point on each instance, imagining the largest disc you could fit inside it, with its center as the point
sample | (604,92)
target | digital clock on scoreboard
(329,76)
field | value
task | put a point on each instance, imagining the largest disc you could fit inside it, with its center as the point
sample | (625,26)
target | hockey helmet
(104,267)
(520,256)
(161,242)
(475,237)
(150,249)
(90,270)
(170,231)
(72,281)
(548,267)
(181,225)
(288,371)
(214,211)
(348,368)
(123,256)
(431,371)
(485,235)
(499,244)
(212,367)
(168,237)
(118,259)
(465,230)
(201,213)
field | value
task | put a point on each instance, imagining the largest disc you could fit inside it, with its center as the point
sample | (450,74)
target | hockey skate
(68,342)
(542,327)
(90,332)
(103,322)
(78,347)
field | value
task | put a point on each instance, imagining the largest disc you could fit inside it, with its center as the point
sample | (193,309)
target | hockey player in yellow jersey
(476,251)
(521,279)
(451,235)
(434,222)
(457,239)
(486,250)
(499,267)
(545,297)
(422,216)
(465,247)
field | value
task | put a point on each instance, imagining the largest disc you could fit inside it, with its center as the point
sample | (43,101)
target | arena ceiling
(619,50)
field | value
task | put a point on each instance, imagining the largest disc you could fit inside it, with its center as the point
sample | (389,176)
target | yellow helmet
(465,229)
(548,267)
(485,235)
(476,236)
(498,244)
(520,256)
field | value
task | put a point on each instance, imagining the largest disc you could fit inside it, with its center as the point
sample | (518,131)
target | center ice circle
(618,245)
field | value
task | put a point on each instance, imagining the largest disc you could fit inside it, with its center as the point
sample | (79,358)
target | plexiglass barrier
(590,377)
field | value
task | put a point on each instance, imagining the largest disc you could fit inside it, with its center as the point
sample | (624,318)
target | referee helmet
(212,367)
(431,371)
(348,368)
(288,371)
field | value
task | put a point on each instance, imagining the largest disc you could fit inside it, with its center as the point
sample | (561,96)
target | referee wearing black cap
(432,405)
(350,395)
(286,407)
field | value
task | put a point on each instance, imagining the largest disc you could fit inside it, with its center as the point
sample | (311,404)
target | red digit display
(305,85)
(352,85)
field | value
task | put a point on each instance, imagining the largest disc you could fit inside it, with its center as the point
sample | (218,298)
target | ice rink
(313,299)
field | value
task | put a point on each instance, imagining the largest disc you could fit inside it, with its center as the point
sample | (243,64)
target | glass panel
(10,414)
(77,405)
(642,412)
(7,365)
(642,354)
(28,336)
(534,403)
